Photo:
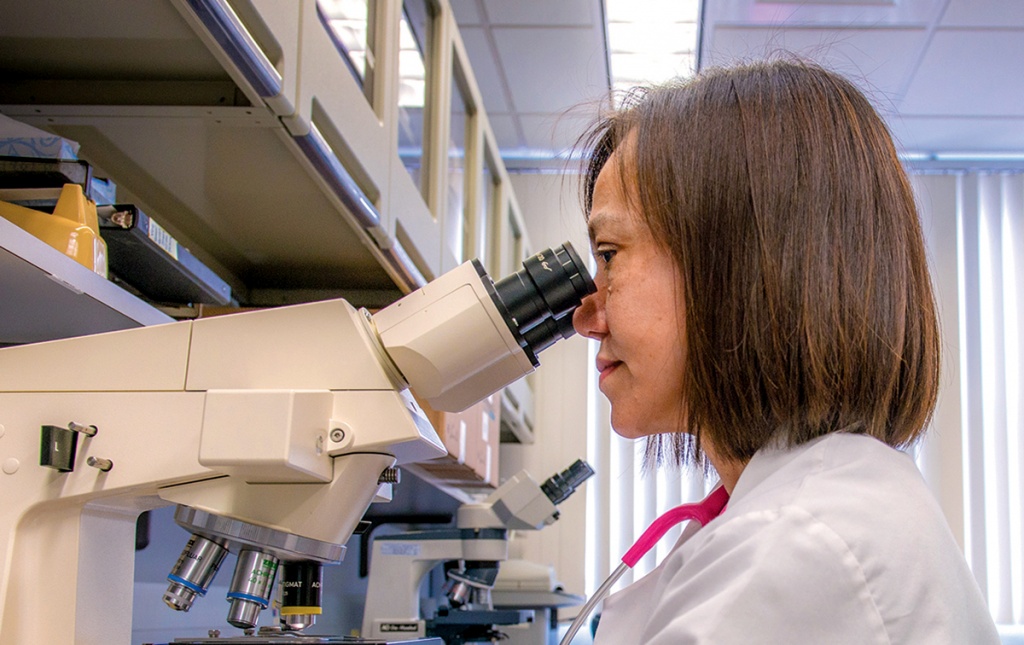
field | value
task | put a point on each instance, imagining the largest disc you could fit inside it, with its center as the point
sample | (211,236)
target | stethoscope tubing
(701,512)
(597,597)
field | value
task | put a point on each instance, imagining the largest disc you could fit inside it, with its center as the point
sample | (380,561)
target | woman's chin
(628,430)
(630,427)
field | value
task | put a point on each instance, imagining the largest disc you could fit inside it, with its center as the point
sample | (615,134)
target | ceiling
(946,74)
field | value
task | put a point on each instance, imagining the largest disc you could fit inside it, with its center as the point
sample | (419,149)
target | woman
(764,306)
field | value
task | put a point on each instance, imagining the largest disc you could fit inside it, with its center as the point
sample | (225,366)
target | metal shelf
(47,295)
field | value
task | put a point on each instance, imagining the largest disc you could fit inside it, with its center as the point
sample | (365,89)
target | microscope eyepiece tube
(550,284)
(193,572)
(250,587)
(462,337)
(545,333)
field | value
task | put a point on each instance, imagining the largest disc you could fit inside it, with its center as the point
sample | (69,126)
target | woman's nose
(588,319)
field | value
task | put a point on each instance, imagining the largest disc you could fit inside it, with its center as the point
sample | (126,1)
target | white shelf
(45,295)
(197,144)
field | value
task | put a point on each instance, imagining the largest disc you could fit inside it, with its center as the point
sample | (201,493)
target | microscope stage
(299,639)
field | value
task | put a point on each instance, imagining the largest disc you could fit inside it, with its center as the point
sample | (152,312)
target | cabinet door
(334,116)
(418,30)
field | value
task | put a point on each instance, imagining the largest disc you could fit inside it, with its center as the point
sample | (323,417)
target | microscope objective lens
(193,572)
(301,584)
(250,587)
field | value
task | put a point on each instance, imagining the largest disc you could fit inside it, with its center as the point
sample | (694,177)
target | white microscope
(475,547)
(271,430)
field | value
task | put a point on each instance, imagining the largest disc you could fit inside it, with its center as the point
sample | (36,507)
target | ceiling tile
(969,72)
(549,13)
(556,132)
(954,84)
(974,134)
(878,60)
(984,13)
(505,131)
(843,14)
(466,12)
(549,70)
(485,69)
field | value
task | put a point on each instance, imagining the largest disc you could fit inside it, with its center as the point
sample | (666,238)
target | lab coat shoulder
(835,541)
(770,576)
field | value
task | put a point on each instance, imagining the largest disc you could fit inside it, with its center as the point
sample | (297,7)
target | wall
(550,208)
(940,455)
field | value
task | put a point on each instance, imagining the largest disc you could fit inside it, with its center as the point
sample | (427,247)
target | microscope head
(522,504)
(463,336)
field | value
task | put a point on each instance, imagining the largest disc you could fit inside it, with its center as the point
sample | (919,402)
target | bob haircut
(776,188)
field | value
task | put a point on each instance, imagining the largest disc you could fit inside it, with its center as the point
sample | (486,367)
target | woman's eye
(605,256)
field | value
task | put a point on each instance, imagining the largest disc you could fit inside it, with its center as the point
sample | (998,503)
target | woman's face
(636,314)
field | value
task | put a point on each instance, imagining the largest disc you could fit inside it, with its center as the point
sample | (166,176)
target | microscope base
(456,627)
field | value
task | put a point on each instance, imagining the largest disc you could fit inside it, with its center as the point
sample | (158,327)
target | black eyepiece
(540,298)
(546,332)
(559,487)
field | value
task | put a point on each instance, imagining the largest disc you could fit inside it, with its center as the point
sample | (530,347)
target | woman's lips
(606,367)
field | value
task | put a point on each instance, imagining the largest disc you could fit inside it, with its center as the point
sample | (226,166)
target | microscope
(475,547)
(272,431)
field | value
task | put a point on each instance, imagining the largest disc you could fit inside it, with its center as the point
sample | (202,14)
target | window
(459,215)
(513,254)
(350,25)
(487,205)
(414,57)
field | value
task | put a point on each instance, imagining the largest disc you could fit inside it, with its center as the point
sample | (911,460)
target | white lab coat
(836,542)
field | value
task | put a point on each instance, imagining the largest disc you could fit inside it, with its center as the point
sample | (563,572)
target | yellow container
(73,228)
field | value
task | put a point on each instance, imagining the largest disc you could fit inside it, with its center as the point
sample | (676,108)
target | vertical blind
(625,499)
(990,222)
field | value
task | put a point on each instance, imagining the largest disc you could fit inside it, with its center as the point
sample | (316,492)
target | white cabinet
(240,127)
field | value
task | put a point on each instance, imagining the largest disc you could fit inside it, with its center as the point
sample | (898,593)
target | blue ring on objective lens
(186,583)
(234,595)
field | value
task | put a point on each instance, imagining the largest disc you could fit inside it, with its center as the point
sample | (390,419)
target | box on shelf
(19,139)
(471,437)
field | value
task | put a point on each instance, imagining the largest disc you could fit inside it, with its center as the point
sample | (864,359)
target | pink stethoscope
(701,512)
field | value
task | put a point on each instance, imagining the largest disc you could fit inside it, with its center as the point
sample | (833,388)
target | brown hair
(808,304)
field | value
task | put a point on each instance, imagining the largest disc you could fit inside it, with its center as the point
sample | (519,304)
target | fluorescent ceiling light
(916,156)
(968,158)
(651,41)
(979,156)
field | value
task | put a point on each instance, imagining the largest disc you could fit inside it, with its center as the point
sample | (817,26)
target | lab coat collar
(770,462)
